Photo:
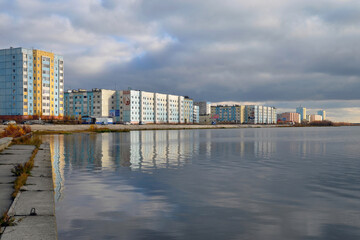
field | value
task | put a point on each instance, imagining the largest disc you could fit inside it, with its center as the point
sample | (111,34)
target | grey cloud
(209,50)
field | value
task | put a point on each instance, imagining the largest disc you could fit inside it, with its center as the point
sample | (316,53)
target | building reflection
(147,151)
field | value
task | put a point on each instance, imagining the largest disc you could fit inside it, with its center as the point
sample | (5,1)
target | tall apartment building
(255,114)
(31,83)
(322,113)
(302,112)
(204,107)
(94,103)
(228,114)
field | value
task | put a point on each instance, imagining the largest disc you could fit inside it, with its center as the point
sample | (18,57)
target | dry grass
(23,171)
(15,131)
(6,220)
(28,140)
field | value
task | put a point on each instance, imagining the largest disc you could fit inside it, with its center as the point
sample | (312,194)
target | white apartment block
(147,107)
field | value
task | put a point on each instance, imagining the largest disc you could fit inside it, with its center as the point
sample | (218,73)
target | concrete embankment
(34,206)
(5,142)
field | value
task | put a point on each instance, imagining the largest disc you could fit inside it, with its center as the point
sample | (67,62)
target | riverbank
(53,128)
(32,212)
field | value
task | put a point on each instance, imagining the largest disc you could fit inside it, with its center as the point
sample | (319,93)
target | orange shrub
(15,131)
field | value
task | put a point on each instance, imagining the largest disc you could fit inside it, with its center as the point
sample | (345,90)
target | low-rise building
(205,119)
(315,117)
(289,117)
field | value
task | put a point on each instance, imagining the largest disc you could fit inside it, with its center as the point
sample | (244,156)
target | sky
(279,53)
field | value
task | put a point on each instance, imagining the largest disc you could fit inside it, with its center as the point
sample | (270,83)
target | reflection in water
(208,184)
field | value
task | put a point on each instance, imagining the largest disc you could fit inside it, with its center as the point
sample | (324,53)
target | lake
(262,183)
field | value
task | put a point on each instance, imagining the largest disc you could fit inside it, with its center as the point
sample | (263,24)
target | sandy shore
(82,127)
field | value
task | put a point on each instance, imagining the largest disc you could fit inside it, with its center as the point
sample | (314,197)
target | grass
(6,220)
(23,171)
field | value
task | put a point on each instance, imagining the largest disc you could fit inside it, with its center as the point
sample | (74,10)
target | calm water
(291,183)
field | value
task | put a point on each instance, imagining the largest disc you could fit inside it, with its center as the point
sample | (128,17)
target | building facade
(302,112)
(188,110)
(148,107)
(322,113)
(315,117)
(228,114)
(196,115)
(94,103)
(255,114)
(204,107)
(31,83)
(289,117)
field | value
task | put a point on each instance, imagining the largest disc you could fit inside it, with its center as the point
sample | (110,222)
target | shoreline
(76,128)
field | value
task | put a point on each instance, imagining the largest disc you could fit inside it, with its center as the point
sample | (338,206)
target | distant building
(315,117)
(147,107)
(255,114)
(302,112)
(205,119)
(94,103)
(196,116)
(289,117)
(228,114)
(204,107)
(31,83)
(322,113)
(188,110)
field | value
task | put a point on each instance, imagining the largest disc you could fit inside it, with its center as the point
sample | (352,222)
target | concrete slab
(5,197)
(7,180)
(5,142)
(39,184)
(14,159)
(22,147)
(32,228)
(41,172)
(5,170)
(42,201)
(15,152)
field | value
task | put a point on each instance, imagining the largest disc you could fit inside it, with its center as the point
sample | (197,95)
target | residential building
(204,107)
(322,113)
(31,83)
(255,114)
(188,110)
(228,114)
(94,103)
(196,116)
(302,112)
(148,107)
(315,117)
(289,117)
(205,119)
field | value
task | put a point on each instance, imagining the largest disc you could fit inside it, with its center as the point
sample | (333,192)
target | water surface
(281,183)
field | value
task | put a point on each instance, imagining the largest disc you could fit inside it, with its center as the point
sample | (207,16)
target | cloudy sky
(279,53)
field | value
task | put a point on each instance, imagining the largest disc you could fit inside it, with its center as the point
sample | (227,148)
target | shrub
(15,131)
